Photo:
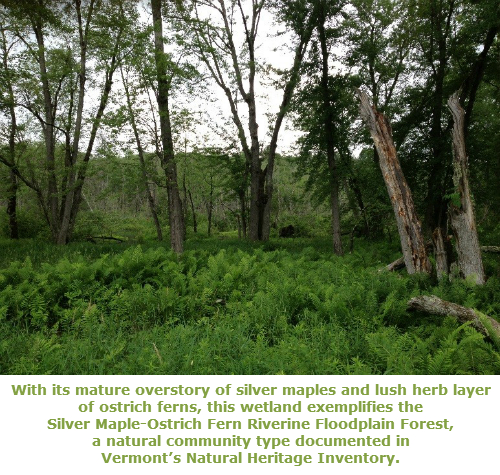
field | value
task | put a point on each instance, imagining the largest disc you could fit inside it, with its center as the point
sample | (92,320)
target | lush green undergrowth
(230,307)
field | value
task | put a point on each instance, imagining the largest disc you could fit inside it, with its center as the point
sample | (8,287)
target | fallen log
(396,265)
(435,306)
(493,249)
(109,238)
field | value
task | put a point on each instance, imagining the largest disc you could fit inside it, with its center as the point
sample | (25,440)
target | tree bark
(13,185)
(436,306)
(74,198)
(440,28)
(175,215)
(461,209)
(410,232)
(305,36)
(330,137)
(71,199)
(252,153)
(48,131)
(442,267)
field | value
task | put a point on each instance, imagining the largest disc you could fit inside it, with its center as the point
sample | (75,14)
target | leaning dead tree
(461,210)
(436,306)
(410,230)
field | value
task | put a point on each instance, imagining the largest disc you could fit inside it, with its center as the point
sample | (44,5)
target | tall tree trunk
(330,138)
(68,212)
(256,177)
(175,215)
(463,221)
(290,86)
(13,184)
(439,176)
(72,200)
(256,186)
(410,232)
(48,130)
(74,197)
(142,161)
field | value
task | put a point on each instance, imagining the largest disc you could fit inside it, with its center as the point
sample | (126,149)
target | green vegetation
(230,307)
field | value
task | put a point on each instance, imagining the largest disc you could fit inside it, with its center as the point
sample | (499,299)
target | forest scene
(249,187)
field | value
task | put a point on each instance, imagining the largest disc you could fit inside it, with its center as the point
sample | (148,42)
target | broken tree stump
(436,306)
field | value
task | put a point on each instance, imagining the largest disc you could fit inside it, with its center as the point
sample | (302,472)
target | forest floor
(231,307)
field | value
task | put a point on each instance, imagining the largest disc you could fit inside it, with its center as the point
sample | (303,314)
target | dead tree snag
(410,230)
(461,210)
